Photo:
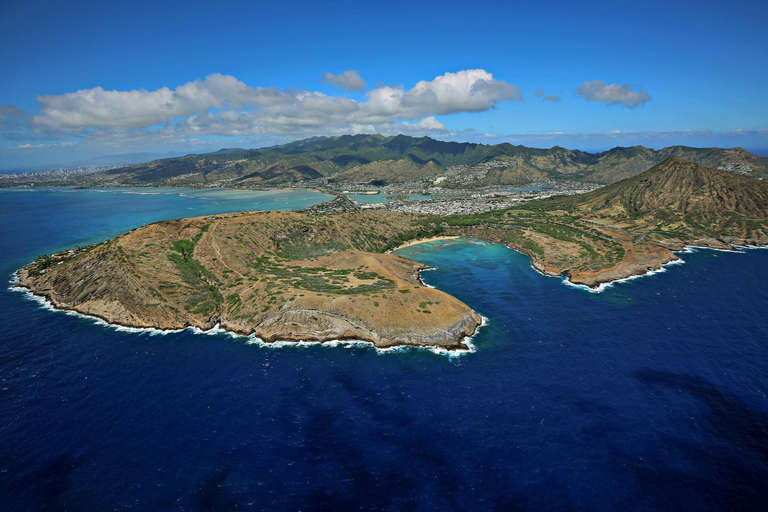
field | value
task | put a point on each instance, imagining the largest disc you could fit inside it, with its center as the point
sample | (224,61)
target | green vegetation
(46,262)
(385,160)
(204,297)
(320,279)
(623,227)
(309,251)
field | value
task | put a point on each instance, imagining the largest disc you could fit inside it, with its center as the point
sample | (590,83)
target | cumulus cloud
(97,107)
(10,113)
(348,80)
(223,105)
(428,125)
(472,90)
(549,97)
(612,94)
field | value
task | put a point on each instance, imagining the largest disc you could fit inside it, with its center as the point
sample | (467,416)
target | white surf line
(604,286)
(745,247)
(46,304)
(422,280)
(349,344)
(689,249)
(694,248)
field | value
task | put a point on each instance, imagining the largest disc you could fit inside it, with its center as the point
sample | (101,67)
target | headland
(328,273)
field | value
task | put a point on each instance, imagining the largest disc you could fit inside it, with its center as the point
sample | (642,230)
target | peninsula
(325,274)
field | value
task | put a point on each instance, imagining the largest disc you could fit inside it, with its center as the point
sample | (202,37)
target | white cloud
(97,107)
(9,113)
(472,90)
(302,112)
(430,123)
(613,94)
(552,97)
(36,146)
(427,125)
(349,80)
(13,122)
(223,105)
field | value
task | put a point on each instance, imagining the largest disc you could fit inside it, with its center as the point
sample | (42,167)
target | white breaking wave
(252,339)
(422,280)
(48,306)
(605,286)
(349,344)
(687,249)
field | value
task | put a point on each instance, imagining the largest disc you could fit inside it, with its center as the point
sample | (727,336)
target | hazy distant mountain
(386,160)
(127,158)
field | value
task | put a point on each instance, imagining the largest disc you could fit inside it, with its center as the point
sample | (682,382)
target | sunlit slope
(678,194)
(279,276)
(380,160)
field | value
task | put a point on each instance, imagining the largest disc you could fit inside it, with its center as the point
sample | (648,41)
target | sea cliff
(276,276)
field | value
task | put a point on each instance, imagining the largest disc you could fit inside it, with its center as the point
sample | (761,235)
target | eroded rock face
(293,276)
(237,271)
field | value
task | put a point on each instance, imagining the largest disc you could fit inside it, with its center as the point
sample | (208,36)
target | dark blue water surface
(648,396)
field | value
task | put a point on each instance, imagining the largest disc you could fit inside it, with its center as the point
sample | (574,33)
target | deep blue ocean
(648,396)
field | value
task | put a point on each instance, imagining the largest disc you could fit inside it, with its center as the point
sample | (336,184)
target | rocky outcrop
(228,271)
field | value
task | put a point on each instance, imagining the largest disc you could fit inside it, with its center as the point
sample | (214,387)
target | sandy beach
(423,240)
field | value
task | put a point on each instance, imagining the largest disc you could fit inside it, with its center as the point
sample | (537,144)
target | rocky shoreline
(331,327)
(455,339)
(109,283)
(629,270)
(288,276)
(625,269)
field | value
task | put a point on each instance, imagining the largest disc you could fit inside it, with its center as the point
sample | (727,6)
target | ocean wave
(217,330)
(422,281)
(46,304)
(694,248)
(351,344)
(604,286)
(688,249)
(745,247)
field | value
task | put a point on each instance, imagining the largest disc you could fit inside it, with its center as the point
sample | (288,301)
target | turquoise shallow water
(651,395)
(54,219)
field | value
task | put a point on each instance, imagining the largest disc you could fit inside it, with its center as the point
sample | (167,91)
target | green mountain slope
(387,160)
(681,197)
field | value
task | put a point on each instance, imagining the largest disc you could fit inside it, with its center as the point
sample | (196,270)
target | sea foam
(688,249)
(217,330)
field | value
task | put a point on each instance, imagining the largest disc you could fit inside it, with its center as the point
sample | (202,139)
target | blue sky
(97,78)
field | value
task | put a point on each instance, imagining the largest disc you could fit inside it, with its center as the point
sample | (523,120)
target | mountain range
(299,276)
(378,161)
